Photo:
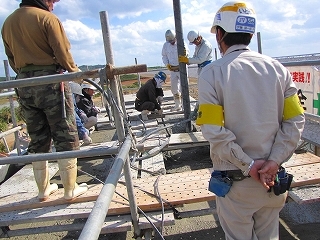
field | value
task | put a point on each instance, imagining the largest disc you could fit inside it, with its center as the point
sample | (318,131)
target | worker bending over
(148,95)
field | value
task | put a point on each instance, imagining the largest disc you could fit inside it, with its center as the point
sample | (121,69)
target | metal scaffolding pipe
(302,63)
(12,130)
(113,82)
(7,94)
(132,198)
(116,88)
(182,66)
(35,81)
(259,42)
(98,214)
(133,69)
(95,151)
(12,111)
(74,76)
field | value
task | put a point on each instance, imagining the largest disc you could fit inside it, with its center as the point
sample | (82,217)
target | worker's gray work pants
(249,212)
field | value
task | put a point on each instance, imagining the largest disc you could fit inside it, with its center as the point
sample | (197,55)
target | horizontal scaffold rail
(75,76)
(100,150)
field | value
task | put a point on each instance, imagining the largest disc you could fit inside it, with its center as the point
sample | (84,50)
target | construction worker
(81,117)
(36,45)
(170,59)
(250,113)
(202,53)
(85,103)
(147,96)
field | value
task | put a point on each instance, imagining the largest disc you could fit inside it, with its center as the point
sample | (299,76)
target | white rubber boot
(177,102)
(68,174)
(41,175)
(144,115)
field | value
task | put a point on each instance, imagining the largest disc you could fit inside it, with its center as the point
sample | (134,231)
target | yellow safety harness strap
(210,114)
(292,107)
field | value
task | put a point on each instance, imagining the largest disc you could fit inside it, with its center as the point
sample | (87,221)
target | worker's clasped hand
(265,172)
(183,59)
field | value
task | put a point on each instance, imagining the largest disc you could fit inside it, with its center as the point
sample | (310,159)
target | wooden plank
(179,188)
(301,159)
(305,174)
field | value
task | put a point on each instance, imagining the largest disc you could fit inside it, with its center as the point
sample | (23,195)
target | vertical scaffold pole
(182,66)
(113,82)
(13,115)
(259,42)
(119,123)
(98,214)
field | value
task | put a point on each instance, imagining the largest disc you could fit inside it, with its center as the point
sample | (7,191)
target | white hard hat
(75,88)
(170,35)
(88,85)
(192,35)
(235,17)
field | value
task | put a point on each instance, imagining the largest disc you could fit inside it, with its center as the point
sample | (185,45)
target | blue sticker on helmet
(245,24)
(218,17)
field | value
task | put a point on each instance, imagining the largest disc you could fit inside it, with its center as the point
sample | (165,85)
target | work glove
(97,109)
(169,67)
(183,59)
(160,99)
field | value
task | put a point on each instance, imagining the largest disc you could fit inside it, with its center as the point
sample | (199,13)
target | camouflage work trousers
(42,110)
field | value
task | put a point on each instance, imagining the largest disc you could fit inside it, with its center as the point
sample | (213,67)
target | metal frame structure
(94,223)
(96,218)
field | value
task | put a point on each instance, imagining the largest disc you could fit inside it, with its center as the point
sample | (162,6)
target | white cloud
(79,32)
(137,27)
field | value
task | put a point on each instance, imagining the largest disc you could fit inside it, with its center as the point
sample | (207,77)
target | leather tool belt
(235,175)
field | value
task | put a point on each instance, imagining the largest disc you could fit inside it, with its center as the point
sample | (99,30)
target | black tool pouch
(282,182)
(219,184)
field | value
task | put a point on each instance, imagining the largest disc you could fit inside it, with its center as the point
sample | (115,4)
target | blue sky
(138,27)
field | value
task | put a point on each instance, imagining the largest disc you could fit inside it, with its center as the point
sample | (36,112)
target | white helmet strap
(224,35)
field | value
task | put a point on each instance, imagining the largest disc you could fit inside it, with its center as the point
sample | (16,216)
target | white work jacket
(170,53)
(251,88)
(202,52)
